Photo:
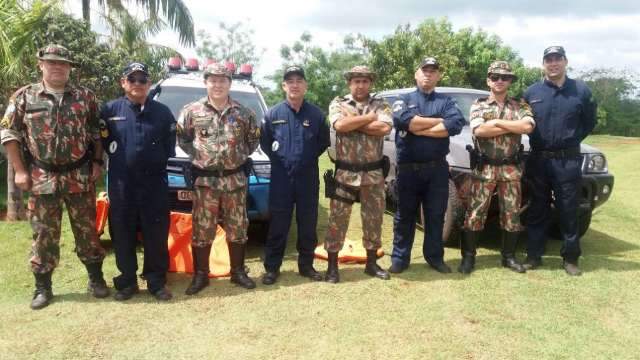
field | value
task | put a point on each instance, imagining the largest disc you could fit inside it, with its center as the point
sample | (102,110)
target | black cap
(554,50)
(293,70)
(135,66)
(429,61)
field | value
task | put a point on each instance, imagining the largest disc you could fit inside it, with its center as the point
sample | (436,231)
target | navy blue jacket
(411,148)
(294,140)
(564,116)
(137,142)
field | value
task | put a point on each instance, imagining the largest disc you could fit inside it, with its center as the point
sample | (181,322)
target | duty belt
(514,160)
(198,172)
(558,154)
(60,168)
(421,165)
(360,167)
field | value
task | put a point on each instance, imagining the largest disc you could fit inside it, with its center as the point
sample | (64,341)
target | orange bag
(102,212)
(180,258)
(352,252)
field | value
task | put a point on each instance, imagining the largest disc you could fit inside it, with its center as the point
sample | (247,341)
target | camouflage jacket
(502,146)
(54,132)
(218,140)
(357,147)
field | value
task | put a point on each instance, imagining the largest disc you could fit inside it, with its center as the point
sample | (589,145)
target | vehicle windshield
(176,97)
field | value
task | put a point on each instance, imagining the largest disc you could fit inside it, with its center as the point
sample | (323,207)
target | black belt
(60,168)
(421,165)
(197,172)
(360,167)
(558,154)
(514,160)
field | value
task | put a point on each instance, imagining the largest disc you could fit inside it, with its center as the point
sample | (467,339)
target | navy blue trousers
(147,205)
(428,186)
(561,178)
(299,189)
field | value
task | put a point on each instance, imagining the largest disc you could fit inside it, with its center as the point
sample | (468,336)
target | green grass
(492,314)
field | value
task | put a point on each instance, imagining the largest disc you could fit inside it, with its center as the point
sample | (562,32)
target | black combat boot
(238,271)
(372,268)
(200,278)
(468,246)
(97,286)
(43,294)
(509,243)
(332,275)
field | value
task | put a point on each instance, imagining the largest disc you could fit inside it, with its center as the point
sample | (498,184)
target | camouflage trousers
(372,201)
(509,197)
(45,216)
(211,206)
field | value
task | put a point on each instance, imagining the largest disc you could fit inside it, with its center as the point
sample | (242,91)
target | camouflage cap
(217,70)
(56,53)
(429,61)
(501,68)
(360,71)
(293,70)
(553,50)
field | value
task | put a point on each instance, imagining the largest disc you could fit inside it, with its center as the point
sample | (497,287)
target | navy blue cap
(135,66)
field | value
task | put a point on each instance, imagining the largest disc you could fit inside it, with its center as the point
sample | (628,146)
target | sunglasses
(495,77)
(142,80)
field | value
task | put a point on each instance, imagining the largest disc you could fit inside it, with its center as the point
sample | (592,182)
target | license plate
(185,195)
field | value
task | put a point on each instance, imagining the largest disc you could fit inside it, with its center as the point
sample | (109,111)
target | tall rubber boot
(372,268)
(468,246)
(238,272)
(97,286)
(200,278)
(509,243)
(332,275)
(43,294)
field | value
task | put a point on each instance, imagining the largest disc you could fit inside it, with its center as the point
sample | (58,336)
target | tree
(324,69)
(618,103)
(235,45)
(464,56)
(175,11)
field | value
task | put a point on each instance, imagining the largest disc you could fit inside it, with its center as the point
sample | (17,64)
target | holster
(331,186)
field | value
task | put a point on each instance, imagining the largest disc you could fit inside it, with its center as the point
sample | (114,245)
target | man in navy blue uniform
(424,121)
(139,136)
(565,114)
(294,134)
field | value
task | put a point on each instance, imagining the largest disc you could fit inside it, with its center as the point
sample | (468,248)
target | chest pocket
(537,107)
(202,128)
(38,121)
(280,130)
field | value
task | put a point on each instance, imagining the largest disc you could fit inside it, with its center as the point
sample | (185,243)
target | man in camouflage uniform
(219,134)
(497,124)
(56,123)
(361,120)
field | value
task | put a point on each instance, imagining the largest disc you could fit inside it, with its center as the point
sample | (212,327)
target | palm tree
(175,11)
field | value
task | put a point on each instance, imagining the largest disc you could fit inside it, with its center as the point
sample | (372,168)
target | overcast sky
(594,33)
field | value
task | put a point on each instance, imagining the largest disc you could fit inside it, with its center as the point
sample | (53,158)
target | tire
(453,217)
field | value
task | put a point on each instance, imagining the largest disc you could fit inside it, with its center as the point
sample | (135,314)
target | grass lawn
(492,314)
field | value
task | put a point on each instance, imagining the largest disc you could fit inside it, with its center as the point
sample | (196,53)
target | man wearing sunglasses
(139,135)
(55,124)
(565,114)
(497,124)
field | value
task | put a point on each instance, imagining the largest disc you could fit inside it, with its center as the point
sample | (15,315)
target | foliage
(618,103)
(235,45)
(464,56)
(323,68)
(176,13)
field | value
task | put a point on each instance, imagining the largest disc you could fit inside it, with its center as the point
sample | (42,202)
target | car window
(176,97)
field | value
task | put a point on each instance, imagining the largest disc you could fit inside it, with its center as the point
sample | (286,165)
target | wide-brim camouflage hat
(501,68)
(56,52)
(216,70)
(360,71)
